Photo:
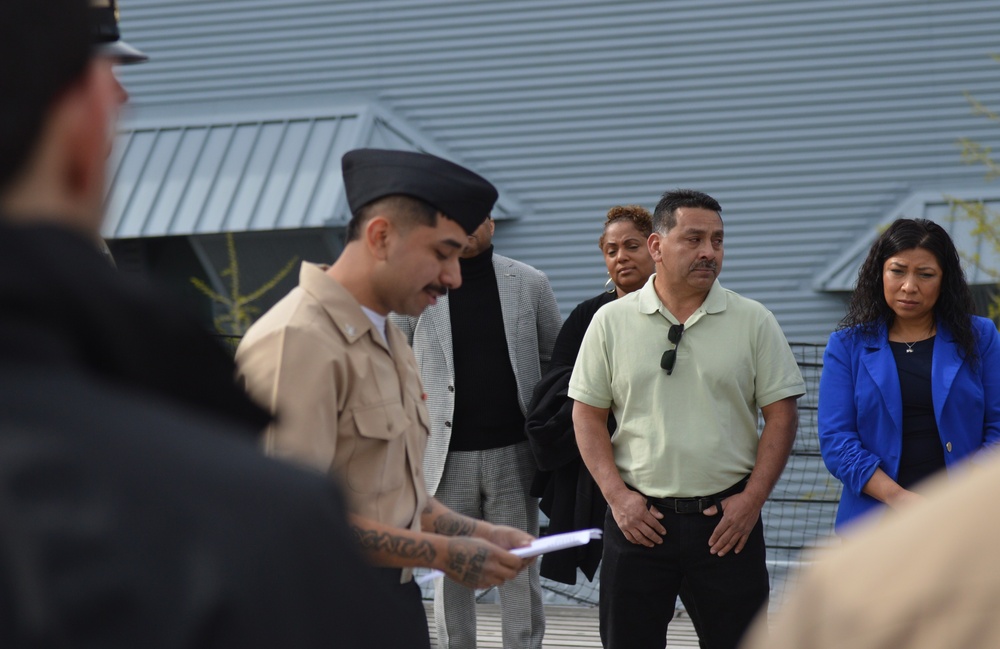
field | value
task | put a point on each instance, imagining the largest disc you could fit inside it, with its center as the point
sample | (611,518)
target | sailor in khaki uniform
(318,344)
(344,384)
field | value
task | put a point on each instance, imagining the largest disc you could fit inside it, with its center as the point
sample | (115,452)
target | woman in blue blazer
(911,379)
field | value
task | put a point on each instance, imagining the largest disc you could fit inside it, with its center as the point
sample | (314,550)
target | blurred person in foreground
(134,512)
(344,381)
(685,474)
(568,494)
(924,577)
(52,184)
(108,44)
(911,379)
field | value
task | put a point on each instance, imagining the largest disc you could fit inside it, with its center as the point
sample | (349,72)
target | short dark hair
(45,47)
(637,215)
(665,214)
(868,310)
(406,212)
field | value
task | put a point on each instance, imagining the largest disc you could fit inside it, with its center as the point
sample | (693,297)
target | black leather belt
(699,504)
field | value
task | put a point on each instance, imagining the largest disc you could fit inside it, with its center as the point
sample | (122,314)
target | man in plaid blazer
(481,350)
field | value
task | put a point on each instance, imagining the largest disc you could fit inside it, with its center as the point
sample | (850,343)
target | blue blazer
(861,407)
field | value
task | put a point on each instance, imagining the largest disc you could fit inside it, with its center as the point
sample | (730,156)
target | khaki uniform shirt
(346,402)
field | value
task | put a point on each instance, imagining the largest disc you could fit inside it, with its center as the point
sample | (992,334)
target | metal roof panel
(842,274)
(217,168)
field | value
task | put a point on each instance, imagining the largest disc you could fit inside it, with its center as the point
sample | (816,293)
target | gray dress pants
(491,485)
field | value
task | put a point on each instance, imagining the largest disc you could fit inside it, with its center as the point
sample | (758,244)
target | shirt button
(947,447)
(451,388)
(447,424)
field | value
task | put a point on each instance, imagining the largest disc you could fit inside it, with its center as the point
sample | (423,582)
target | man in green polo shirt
(684,365)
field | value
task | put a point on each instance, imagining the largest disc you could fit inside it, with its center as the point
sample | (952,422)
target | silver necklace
(909,346)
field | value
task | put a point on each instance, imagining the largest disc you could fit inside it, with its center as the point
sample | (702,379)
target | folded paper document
(537,547)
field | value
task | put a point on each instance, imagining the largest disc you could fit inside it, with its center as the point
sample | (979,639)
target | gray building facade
(811,121)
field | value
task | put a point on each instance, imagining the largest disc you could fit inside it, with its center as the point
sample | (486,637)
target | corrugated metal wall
(807,120)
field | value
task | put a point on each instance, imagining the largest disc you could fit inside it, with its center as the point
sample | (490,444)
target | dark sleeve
(319,586)
(571,335)
(73,309)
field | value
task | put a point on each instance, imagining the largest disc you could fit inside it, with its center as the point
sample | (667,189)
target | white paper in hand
(557,542)
(537,547)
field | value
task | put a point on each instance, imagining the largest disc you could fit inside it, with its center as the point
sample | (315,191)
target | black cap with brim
(121,52)
(460,194)
(106,36)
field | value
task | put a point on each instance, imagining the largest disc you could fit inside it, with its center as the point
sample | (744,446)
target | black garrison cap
(460,194)
(107,39)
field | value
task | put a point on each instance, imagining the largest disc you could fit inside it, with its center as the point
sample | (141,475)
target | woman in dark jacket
(623,244)
(569,496)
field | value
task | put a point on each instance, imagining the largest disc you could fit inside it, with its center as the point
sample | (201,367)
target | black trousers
(639,585)
(414,617)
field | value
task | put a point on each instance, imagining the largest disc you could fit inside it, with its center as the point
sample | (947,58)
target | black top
(487,412)
(567,345)
(569,495)
(922,454)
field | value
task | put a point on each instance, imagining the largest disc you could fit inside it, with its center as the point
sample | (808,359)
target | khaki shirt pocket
(378,459)
(425,419)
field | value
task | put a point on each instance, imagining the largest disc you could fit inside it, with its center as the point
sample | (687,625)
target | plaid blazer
(531,322)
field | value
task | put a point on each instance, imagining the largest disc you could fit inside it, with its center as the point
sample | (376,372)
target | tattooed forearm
(467,562)
(454,525)
(401,546)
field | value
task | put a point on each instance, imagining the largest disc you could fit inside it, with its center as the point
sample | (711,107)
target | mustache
(438,289)
(710,265)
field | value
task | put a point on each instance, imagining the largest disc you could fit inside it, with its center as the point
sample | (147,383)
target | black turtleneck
(487,411)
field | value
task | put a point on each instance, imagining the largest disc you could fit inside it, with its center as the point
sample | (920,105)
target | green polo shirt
(693,432)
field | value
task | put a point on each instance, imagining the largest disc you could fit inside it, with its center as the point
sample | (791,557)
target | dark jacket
(128,522)
(569,495)
(62,305)
(135,509)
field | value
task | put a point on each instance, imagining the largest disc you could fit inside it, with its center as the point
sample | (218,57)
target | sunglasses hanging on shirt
(669,357)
